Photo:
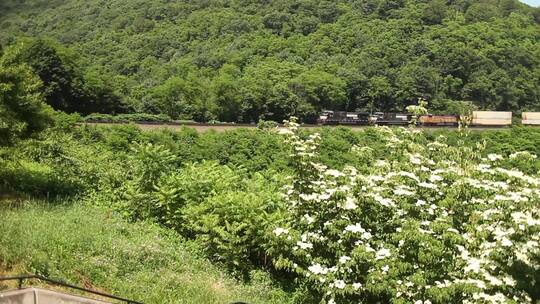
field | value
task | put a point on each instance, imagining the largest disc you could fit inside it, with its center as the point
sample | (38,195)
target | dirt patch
(10,271)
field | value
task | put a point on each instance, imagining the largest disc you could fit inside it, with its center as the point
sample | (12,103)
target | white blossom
(339,284)
(304,245)
(334,173)
(428,185)
(309,219)
(354,228)
(382,254)
(415,159)
(279,231)
(495,204)
(350,204)
(494,157)
(356,286)
(318,269)
(344,259)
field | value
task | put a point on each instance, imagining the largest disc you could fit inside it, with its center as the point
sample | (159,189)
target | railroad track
(202,127)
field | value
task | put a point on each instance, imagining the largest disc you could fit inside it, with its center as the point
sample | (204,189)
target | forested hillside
(243,60)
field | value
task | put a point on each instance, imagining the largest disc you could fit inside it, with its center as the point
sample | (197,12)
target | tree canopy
(22,110)
(243,60)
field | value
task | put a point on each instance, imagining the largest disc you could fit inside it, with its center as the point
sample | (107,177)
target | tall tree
(64,87)
(61,88)
(22,108)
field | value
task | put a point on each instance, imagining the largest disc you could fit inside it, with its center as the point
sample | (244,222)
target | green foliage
(59,88)
(455,107)
(151,162)
(148,164)
(267,125)
(194,184)
(139,261)
(59,165)
(224,191)
(127,118)
(22,111)
(426,223)
(181,99)
(254,151)
(63,86)
(435,12)
(244,61)
(481,12)
(417,110)
(224,210)
(31,178)
(267,92)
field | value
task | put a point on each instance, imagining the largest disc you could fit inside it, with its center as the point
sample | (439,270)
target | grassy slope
(94,248)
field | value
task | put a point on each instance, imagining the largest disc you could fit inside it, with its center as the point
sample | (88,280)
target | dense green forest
(244,60)
(272,214)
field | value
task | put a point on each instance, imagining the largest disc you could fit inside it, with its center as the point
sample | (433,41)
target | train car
(439,120)
(391,119)
(491,118)
(530,118)
(479,119)
(323,117)
(343,118)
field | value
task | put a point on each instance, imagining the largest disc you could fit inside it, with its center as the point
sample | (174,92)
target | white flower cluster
(425,219)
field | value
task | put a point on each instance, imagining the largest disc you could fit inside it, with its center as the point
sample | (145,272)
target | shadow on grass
(24,180)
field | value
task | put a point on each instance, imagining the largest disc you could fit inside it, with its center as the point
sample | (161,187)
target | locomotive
(333,118)
(479,118)
(363,118)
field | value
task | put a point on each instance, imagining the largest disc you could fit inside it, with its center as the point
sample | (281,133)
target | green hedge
(126,118)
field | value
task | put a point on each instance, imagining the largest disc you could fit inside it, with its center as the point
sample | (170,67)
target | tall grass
(95,248)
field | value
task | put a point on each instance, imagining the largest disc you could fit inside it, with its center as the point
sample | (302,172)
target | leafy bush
(117,138)
(126,118)
(233,225)
(32,178)
(224,211)
(59,165)
(151,162)
(267,124)
(254,150)
(22,108)
(427,224)
(193,184)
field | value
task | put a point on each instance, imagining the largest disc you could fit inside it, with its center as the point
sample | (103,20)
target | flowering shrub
(430,223)
(417,110)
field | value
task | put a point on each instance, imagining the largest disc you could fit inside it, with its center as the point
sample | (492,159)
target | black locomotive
(344,118)
(363,118)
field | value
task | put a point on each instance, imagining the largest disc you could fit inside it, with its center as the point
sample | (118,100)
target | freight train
(478,118)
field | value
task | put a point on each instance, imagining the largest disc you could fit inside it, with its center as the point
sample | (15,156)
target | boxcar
(491,118)
(530,118)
